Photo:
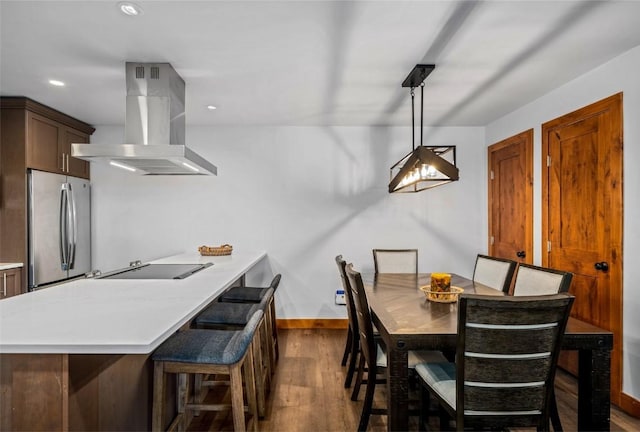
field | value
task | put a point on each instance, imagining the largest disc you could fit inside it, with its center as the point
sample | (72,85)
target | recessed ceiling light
(56,83)
(211,107)
(130,9)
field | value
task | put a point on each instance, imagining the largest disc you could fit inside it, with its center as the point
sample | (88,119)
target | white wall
(303,194)
(618,75)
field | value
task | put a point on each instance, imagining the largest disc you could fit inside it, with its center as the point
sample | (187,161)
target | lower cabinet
(10,282)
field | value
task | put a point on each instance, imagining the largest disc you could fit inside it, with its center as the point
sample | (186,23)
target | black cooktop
(157,271)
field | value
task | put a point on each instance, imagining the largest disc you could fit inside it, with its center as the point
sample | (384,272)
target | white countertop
(115,316)
(9,266)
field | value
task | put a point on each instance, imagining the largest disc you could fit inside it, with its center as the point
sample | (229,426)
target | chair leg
(266,352)
(159,380)
(555,415)
(444,419)
(274,328)
(368,400)
(182,396)
(260,372)
(356,387)
(424,408)
(237,400)
(353,356)
(271,331)
(250,386)
(347,346)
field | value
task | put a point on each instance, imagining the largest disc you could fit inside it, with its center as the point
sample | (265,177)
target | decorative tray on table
(225,249)
(442,296)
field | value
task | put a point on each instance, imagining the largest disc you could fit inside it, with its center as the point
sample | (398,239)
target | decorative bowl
(224,249)
(442,296)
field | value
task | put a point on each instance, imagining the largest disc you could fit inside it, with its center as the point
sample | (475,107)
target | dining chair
(507,352)
(395,260)
(371,354)
(534,280)
(493,272)
(352,344)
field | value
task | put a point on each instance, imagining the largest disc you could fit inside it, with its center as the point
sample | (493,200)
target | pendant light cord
(413,122)
(421,109)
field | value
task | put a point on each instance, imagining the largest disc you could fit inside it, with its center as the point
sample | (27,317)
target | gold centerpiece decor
(440,282)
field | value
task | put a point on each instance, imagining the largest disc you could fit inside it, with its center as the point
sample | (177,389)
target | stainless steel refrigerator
(59,228)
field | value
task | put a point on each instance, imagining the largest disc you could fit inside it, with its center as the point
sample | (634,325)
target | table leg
(397,388)
(594,386)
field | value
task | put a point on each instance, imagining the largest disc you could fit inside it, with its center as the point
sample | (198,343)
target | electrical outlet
(340,298)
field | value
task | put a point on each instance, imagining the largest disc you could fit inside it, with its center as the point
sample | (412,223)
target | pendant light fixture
(426,166)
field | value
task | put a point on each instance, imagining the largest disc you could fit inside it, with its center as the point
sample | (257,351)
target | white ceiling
(311,62)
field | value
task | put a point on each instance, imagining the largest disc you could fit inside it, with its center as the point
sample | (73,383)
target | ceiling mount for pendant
(426,166)
(417,75)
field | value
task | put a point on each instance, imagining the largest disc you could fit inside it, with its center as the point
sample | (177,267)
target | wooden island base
(69,392)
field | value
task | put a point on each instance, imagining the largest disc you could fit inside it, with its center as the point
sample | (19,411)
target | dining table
(407,320)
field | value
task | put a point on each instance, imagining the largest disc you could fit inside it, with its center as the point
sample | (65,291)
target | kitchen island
(76,356)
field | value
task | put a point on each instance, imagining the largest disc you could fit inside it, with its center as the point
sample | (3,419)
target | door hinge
(548,245)
(548,160)
(491,174)
(492,240)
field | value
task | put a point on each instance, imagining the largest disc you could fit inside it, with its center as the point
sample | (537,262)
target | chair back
(494,272)
(395,260)
(348,294)
(275,282)
(506,358)
(363,314)
(532,280)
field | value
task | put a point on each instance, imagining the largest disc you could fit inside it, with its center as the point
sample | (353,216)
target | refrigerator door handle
(73,223)
(64,226)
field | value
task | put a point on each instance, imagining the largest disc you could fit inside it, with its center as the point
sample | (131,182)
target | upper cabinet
(49,146)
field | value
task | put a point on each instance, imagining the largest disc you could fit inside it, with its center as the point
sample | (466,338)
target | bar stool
(246,294)
(221,316)
(198,351)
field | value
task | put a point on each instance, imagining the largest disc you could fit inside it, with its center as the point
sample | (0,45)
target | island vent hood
(154,127)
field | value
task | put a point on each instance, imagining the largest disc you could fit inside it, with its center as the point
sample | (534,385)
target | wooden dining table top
(396,300)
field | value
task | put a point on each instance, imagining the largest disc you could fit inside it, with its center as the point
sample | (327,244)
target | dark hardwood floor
(308,393)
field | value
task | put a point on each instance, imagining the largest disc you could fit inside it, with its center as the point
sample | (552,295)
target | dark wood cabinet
(49,146)
(75,167)
(35,136)
(10,282)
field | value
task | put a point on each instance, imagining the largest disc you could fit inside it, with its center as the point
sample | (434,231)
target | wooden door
(582,215)
(511,198)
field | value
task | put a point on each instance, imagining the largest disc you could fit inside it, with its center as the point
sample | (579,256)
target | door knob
(521,254)
(602,266)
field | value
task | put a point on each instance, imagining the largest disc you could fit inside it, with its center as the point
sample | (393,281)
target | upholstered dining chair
(533,280)
(371,355)
(494,272)
(395,260)
(352,344)
(506,359)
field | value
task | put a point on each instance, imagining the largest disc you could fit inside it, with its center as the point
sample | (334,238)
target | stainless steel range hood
(154,127)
